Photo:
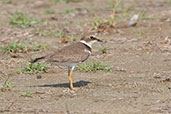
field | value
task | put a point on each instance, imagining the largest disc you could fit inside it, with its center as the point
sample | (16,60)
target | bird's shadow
(66,85)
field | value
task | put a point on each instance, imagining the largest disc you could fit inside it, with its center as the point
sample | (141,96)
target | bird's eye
(92,38)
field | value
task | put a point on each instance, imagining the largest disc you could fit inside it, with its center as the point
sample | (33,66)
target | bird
(71,55)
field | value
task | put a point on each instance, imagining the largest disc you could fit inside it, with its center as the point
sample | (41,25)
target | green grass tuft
(93,67)
(96,22)
(27,94)
(16,47)
(69,11)
(49,11)
(73,38)
(103,49)
(138,33)
(60,34)
(6,1)
(169,2)
(7,85)
(34,68)
(38,47)
(21,20)
(42,32)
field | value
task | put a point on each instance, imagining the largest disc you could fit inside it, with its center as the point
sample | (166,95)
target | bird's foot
(74,89)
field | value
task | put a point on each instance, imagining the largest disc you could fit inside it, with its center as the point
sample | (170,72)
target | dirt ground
(140,58)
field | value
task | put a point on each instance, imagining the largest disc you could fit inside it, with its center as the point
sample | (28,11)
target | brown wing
(77,52)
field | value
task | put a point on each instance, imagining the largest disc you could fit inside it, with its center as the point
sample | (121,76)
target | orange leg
(70,70)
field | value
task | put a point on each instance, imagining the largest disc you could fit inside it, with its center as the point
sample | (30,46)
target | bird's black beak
(99,40)
(94,38)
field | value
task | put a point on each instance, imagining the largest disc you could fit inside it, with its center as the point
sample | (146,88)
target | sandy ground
(140,58)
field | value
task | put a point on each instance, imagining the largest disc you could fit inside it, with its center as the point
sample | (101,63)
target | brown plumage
(69,54)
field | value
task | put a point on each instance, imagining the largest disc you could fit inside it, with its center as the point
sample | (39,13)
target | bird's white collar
(87,44)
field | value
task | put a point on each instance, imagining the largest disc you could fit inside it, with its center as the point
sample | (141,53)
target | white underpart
(66,64)
(84,42)
(87,51)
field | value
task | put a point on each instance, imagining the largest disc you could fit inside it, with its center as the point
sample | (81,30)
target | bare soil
(140,57)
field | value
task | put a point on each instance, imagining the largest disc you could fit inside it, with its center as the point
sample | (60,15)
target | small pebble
(168,78)
(157,77)
(133,21)
(39,76)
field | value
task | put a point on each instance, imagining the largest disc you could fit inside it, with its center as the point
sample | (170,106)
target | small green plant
(96,66)
(96,22)
(139,33)
(15,47)
(7,85)
(33,68)
(7,1)
(27,94)
(103,49)
(169,2)
(49,32)
(60,34)
(1,86)
(125,14)
(103,23)
(49,11)
(39,47)
(21,20)
(68,11)
(115,5)
(73,38)
(42,32)
(144,16)
(110,22)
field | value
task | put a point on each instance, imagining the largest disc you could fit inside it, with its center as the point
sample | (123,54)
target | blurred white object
(133,21)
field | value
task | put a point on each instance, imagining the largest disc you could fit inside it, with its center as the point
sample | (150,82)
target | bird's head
(90,40)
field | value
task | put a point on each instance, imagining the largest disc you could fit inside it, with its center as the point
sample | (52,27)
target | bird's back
(77,52)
